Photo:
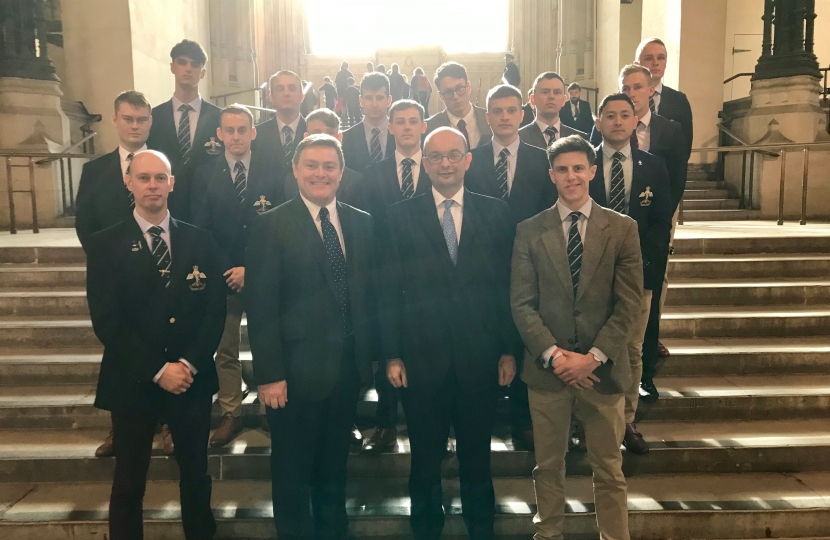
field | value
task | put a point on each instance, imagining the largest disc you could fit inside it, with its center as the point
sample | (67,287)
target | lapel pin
(212,146)
(639,162)
(646,196)
(136,246)
(262,204)
(196,277)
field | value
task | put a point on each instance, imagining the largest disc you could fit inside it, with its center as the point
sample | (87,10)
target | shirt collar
(416,158)
(314,208)
(646,118)
(145,225)
(439,199)
(245,161)
(196,104)
(123,152)
(564,211)
(512,147)
(468,118)
(659,88)
(543,126)
(293,125)
(382,125)
(609,152)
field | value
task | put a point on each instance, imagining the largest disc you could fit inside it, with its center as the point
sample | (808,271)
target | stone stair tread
(754,229)
(62,292)
(744,385)
(749,311)
(680,257)
(48,237)
(747,283)
(807,344)
(10,268)
(54,356)
(43,321)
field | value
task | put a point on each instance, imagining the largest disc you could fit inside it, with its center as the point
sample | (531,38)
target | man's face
(504,116)
(572,173)
(286,93)
(187,72)
(406,126)
(449,89)
(315,127)
(637,87)
(236,133)
(150,182)
(548,97)
(575,94)
(653,57)
(132,124)
(448,147)
(617,121)
(318,173)
(375,103)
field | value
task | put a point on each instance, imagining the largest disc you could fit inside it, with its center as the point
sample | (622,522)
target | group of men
(442,259)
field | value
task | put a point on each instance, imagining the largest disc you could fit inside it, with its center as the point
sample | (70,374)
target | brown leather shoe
(633,441)
(166,441)
(382,440)
(356,437)
(227,431)
(662,351)
(106,449)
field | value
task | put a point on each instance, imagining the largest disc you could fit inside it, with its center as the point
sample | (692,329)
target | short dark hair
(571,143)
(574,86)
(380,68)
(614,97)
(503,91)
(450,69)
(403,104)
(326,116)
(237,108)
(132,97)
(344,65)
(645,42)
(273,77)
(190,49)
(548,75)
(317,140)
(375,81)
(395,68)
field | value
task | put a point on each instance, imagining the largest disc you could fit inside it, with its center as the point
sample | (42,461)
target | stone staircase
(707,199)
(740,439)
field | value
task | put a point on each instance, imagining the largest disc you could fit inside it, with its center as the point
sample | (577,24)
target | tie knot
(504,153)
(375,132)
(239,167)
(575,216)
(551,131)
(130,156)
(185,108)
(407,162)
(155,231)
(462,124)
(287,131)
(324,214)
(448,204)
(619,156)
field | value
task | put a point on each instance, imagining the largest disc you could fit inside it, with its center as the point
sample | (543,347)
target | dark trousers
(652,335)
(386,415)
(428,420)
(132,431)
(309,449)
(519,406)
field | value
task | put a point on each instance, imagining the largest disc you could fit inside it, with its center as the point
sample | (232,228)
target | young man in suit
(184,128)
(577,112)
(459,113)
(157,301)
(576,287)
(278,137)
(369,141)
(548,98)
(447,336)
(635,183)
(310,305)
(511,73)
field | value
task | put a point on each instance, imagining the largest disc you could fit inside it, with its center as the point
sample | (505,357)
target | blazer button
(172,320)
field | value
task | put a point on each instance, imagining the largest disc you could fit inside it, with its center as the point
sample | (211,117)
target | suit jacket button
(172,320)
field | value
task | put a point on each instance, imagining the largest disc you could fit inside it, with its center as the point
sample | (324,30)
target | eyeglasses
(459,91)
(453,157)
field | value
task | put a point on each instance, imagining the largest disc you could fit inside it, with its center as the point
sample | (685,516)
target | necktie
(574,249)
(551,132)
(501,174)
(635,142)
(288,142)
(130,196)
(617,202)
(337,261)
(651,104)
(183,132)
(448,226)
(240,182)
(462,127)
(375,150)
(161,252)
(407,183)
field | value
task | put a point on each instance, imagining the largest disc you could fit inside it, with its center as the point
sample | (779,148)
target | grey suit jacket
(531,134)
(607,302)
(443,120)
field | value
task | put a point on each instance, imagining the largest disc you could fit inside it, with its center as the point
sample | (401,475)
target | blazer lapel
(390,187)
(468,223)
(432,230)
(306,224)
(141,257)
(390,145)
(489,168)
(554,241)
(179,253)
(537,135)
(168,123)
(347,226)
(424,183)
(203,125)
(593,248)
(597,186)
(366,157)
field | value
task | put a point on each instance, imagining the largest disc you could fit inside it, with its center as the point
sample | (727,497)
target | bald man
(157,301)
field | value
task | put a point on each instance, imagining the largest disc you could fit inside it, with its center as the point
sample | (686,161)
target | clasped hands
(176,378)
(576,369)
(396,371)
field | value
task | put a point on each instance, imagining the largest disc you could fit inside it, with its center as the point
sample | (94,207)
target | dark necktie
(183,132)
(407,181)
(130,196)
(288,142)
(240,182)
(337,261)
(551,132)
(462,127)
(575,249)
(161,252)
(651,104)
(501,174)
(617,202)
(635,142)
(448,228)
(375,150)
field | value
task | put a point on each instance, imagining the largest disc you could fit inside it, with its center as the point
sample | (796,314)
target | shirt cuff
(161,372)
(193,370)
(546,356)
(598,354)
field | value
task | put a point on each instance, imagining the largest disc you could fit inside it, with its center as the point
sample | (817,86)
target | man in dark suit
(278,137)
(369,141)
(459,113)
(530,112)
(351,103)
(157,301)
(184,128)
(447,336)
(577,112)
(398,87)
(635,183)
(548,98)
(511,73)
(309,300)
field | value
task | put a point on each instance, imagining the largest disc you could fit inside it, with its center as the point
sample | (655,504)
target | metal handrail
(63,153)
(722,128)
(737,76)
(760,147)
(246,91)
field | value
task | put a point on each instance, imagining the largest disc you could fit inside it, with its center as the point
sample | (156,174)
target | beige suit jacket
(607,302)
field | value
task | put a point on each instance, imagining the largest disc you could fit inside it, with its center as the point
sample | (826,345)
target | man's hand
(274,395)
(176,378)
(576,369)
(235,278)
(396,373)
(507,369)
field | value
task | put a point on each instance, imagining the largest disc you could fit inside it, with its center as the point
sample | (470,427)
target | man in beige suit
(576,287)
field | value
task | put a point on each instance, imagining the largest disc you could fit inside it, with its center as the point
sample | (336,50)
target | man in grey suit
(547,97)
(575,303)
(459,113)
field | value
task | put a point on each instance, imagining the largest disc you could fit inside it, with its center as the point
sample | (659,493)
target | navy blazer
(531,134)
(381,189)
(103,199)
(269,142)
(674,105)
(356,150)
(584,120)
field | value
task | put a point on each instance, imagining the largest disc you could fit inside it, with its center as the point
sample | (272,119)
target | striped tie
(240,182)
(130,196)
(617,202)
(574,249)
(375,149)
(651,105)
(551,134)
(501,174)
(288,142)
(183,133)
(407,183)
(161,252)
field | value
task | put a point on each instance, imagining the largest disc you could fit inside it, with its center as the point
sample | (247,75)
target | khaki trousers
(602,415)
(666,276)
(635,355)
(228,366)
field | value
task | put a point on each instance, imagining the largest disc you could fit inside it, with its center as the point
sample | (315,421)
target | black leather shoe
(523,439)
(633,441)
(382,440)
(662,351)
(356,437)
(648,392)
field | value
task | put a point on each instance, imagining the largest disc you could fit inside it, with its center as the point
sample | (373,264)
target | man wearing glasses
(459,113)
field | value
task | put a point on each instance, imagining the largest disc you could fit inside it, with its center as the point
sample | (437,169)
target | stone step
(725,292)
(725,238)
(720,215)
(57,303)
(42,276)
(769,505)
(692,194)
(711,204)
(47,332)
(745,321)
(703,183)
(60,255)
(740,267)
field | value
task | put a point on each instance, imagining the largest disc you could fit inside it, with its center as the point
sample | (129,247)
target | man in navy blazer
(549,100)
(577,111)
(454,90)
(278,137)
(369,141)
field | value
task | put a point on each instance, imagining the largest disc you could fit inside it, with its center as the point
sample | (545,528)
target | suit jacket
(347,192)
(436,316)
(674,105)
(295,322)
(532,190)
(531,134)
(443,120)
(269,142)
(380,189)
(103,199)
(653,214)
(530,115)
(607,301)
(511,74)
(356,151)
(584,120)
(216,206)
(143,324)
(204,146)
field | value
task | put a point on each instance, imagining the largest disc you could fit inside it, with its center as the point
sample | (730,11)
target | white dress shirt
(574,108)
(383,126)
(123,153)
(627,167)
(513,148)
(314,210)
(293,125)
(416,168)
(457,209)
(543,126)
(658,91)
(470,125)
(246,161)
(196,106)
(644,132)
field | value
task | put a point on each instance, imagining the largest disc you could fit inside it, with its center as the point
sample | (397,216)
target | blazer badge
(646,196)
(197,278)
(262,205)
(136,246)
(212,146)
